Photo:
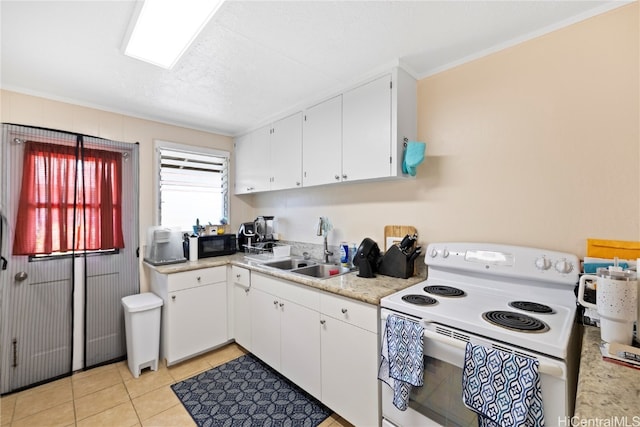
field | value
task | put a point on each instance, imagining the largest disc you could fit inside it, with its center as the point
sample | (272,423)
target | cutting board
(393,234)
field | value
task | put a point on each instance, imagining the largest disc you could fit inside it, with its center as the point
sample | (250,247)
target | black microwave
(216,245)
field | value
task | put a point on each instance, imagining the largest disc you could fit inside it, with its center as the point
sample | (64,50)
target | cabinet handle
(344,311)
(337,177)
(275,303)
(298,183)
(281,304)
(249,188)
(173,297)
(246,291)
(344,176)
(238,275)
(198,278)
(322,322)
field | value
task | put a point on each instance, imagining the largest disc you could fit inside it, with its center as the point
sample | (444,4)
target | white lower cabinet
(194,313)
(324,343)
(241,293)
(349,360)
(284,329)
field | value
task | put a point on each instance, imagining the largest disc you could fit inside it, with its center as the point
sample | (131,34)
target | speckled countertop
(606,391)
(348,285)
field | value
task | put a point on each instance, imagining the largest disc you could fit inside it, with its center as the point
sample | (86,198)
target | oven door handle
(544,368)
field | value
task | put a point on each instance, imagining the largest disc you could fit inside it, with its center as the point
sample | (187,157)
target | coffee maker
(258,234)
(264,228)
(246,236)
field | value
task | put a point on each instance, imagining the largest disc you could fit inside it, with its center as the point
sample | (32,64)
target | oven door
(439,400)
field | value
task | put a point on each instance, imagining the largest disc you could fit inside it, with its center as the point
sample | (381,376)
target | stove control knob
(543,263)
(563,266)
(445,253)
(434,253)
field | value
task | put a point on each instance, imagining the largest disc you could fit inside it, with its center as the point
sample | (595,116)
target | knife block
(395,264)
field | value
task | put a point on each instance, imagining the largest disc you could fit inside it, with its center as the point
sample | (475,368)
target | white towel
(502,388)
(401,365)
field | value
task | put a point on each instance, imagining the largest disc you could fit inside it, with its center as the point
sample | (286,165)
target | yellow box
(600,248)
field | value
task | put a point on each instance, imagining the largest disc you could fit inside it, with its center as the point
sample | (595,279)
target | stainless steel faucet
(322,232)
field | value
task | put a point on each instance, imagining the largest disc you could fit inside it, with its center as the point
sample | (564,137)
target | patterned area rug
(246,392)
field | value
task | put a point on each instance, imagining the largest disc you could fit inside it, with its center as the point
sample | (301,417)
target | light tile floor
(111,396)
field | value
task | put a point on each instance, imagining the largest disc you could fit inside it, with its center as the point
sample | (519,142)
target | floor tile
(7,406)
(87,384)
(188,368)
(99,401)
(110,396)
(174,416)
(154,402)
(224,354)
(61,415)
(125,373)
(148,381)
(122,415)
(38,399)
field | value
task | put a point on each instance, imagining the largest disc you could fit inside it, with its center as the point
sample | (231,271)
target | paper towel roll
(193,248)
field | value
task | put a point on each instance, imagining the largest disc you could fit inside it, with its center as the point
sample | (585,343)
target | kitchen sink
(322,271)
(290,264)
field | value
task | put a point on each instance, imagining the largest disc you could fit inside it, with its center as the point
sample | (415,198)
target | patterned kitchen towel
(502,388)
(401,365)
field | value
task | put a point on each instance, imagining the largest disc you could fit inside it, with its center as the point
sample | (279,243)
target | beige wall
(28,110)
(535,145)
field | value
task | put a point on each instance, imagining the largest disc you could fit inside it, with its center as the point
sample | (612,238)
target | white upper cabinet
(357,135)
(251,166)
(270,158)
(322,143)
(366,132)
(286,153)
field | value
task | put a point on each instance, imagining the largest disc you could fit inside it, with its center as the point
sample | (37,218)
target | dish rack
(275,251)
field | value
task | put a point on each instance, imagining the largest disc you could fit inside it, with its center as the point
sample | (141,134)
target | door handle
(4,263)
(21,276)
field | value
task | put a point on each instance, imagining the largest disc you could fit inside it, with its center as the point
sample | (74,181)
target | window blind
(193,186)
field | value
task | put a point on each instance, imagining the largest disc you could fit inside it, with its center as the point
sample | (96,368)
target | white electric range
(514,298)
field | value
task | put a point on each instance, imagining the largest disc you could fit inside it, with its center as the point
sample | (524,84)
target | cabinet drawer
(300,294)
(241,276)
(194,278)
(351,311)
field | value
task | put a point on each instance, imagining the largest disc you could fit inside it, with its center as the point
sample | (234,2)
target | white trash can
(142,325)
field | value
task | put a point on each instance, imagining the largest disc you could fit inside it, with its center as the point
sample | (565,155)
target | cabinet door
(286,153)
(322,143)
(300,346)
(196,320)
(242,315)
(366,134)
(349,377)
(251,153)
(265,327)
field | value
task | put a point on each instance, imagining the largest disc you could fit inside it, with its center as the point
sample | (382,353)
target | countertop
(606,391)
(348,285)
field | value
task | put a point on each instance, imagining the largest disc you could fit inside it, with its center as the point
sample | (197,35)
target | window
(70,200)
(193,185)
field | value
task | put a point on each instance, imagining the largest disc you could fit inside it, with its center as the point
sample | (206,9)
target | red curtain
(53,179)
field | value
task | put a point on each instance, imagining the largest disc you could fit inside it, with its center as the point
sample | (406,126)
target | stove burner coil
(533,307)
(419,299)
(515,321)
(445,291)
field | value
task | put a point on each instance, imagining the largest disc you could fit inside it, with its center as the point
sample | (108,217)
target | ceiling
(255,59)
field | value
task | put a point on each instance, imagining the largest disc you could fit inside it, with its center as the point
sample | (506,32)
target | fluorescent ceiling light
(165,29)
